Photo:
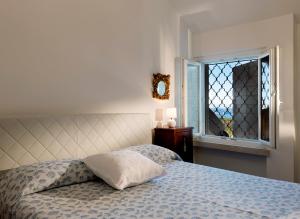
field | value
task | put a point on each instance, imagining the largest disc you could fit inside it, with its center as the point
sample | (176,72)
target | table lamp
(171,114)
(159,116)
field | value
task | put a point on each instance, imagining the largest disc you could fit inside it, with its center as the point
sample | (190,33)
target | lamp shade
(172,113)
(159,114)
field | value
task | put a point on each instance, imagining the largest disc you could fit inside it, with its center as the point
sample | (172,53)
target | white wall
(238,162)
(74,56)
(266,33)
(185,40)
(297,103)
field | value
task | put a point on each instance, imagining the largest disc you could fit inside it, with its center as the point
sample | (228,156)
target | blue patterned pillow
(41,176)
(156,153)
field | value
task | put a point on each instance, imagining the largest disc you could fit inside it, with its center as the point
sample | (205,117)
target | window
(231,100)
(193,84)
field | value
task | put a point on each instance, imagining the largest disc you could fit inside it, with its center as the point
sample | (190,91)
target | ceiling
(206,15)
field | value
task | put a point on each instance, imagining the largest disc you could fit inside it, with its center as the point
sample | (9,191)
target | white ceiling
(205,15)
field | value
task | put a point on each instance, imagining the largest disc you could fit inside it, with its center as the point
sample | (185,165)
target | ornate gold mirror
(161,86)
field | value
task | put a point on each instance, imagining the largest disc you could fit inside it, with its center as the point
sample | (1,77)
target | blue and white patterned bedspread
(188,191)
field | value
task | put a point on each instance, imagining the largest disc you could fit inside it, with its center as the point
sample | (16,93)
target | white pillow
(124,168)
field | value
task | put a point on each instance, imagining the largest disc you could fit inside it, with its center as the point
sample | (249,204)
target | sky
(221,78)
(221,74)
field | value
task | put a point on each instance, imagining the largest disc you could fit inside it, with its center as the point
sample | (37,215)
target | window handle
(273,91)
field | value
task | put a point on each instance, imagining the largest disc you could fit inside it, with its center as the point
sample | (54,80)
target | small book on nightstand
(179,140)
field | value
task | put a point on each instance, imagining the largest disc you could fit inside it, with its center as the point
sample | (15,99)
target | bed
(65,188)
(187,191)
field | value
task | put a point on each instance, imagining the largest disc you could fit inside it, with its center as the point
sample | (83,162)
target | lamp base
(159,124)
(171,123)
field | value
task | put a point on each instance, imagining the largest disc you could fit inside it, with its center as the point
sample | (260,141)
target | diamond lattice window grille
(265,83)
(231,100)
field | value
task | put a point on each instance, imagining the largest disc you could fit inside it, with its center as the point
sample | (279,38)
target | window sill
(253,150)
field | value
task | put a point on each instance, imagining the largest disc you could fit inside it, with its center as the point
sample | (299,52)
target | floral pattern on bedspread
(38,177)
(156,153)
(188,191)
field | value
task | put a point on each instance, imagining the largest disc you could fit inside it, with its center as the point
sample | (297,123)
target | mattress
(187,191)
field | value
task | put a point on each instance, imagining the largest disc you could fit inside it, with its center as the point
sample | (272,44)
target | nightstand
(179,140)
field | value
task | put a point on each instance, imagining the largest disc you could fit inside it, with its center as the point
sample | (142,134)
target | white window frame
(201,136)
(199,90)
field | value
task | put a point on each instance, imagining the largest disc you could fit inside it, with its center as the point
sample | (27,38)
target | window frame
(201,62)
(194,63)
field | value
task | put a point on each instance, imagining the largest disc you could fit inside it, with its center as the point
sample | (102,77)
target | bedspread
(187,191)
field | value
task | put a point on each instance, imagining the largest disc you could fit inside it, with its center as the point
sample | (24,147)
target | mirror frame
(156,79)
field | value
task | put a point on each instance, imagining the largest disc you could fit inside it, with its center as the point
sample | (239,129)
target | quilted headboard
(29,140)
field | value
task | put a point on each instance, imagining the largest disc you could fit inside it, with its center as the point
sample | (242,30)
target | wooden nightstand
(179,140)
